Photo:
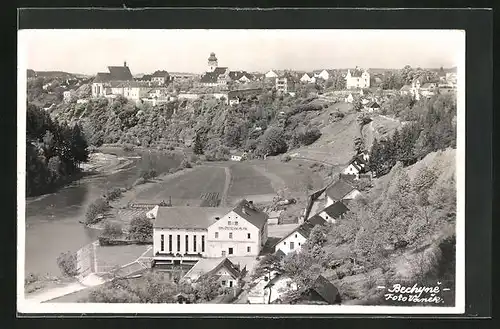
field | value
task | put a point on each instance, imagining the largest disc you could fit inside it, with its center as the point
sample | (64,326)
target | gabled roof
(145,77)
(339,189)
(120,73)
(209,77)
(373,104)
(246,210)
(236,75)
(305,228)
(220,70)
(326,290)
(160,74)
(356,73)
(336,210)
(405,87)
(188,217)
(102,77)
(228,265)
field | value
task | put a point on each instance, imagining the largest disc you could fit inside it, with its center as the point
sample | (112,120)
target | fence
(85,260)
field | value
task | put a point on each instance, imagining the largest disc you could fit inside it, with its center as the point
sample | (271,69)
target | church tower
(212,62)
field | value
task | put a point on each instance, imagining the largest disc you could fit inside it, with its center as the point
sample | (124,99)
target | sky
(145,51)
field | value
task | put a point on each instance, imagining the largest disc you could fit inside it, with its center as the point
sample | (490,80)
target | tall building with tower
(212,62)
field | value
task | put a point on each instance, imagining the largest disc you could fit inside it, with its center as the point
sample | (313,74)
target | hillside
(402,232)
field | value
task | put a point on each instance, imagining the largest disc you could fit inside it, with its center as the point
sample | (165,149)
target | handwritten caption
(415,293)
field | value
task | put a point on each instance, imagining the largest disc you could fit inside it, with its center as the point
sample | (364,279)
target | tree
(207,288)
(95,210)
(268,264)
(113,230)
(272,142)
(67,263)
(197,146)
(141,229)
(79,145)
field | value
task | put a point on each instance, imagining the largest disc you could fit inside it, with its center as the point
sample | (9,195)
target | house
(240,232)
(239,156)
(284,84)
(405,90)
(308,78)
(341,190)
(236,96)
(161,78)
(102,82)
(67,96)
(451,78)
(215,75)
(180,233)
(321,292)
(333,212)
(240,76)
(277,288)
(225,270)
(357,78)
(271,75)
(349,99)
(428,89)
(356,166)
(372,106)
(274,217)
(323,74)
(296,238)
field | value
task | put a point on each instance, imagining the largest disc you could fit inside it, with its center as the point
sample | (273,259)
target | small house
(321,292)
(238,156)
(333,212)
(372,106)
(341,190)
(349,99)
(225,270)
(296,238)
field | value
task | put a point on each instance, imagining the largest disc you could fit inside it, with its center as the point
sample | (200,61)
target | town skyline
(277,49)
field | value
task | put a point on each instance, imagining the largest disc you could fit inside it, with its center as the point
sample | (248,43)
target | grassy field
(245,180)
(186,188)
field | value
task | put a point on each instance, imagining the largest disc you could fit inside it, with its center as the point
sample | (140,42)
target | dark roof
(356,73)
(226,263)
(326,290)
(102,77)
(31,73)
(339,189)
(280,254)
(243,92)
(246,210)
(236,75)
(146,77)
(336,210)
(220,70)
(120,73)
(188,217)
(373,105)
(160,74)
(209,77)
(212,57)
(305,228)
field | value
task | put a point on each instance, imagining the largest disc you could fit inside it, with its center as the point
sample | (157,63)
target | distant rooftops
(116,73)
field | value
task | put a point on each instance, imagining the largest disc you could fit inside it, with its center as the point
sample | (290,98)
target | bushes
(286,158)
(113,230)
(308,136)
(113,194)
(95,210)
(128,147)
(67,264)
(141,229)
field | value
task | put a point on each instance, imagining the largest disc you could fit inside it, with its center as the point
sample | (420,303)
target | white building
(271,75)
(241,232)
(226,271)
(333,212)
(293,241)
(308,78)
(186,234)
(358,79)
(349,99)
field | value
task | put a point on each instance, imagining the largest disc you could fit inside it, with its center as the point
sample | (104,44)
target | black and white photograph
(241,171)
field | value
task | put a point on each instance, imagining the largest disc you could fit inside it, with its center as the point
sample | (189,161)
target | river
(52,221)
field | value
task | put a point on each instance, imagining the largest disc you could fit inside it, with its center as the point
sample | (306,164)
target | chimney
(125,64)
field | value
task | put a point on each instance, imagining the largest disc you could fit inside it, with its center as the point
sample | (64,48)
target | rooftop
(246,210)
(336,210)
(339,189)
(188,217)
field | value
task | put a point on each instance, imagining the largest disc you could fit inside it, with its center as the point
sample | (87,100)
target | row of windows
(170,239)
(230,235)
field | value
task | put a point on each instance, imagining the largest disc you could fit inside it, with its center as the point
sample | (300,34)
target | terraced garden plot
(188,186)
(245,180)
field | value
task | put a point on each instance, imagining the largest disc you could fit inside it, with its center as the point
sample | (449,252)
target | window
(187,242)
(223,282)
(292,245)
(170,243)
(230,235)
(235,223)
(295,235)
(229,222)
(248,249)
(202,243)
(299,243)
(284,242)
(194,243)
(223,253)
(248,235)
(162,243)
(216,235)
(178,243)
(230,283)
(230,251)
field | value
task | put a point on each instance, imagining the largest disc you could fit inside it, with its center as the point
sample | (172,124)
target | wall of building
(296,238)
(183,233)
(238,240)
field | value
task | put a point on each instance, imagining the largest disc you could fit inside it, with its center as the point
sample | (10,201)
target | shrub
(286,158)
(113,230)
(67,264)
(113,194)
(96,208)
(128,147)
(141,229)
(147,174)
(31,278)
(185,164)
(139,181)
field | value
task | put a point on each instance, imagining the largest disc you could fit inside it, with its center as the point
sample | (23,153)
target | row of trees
(405,76)
(155,287)
(433,129)
(54,151)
